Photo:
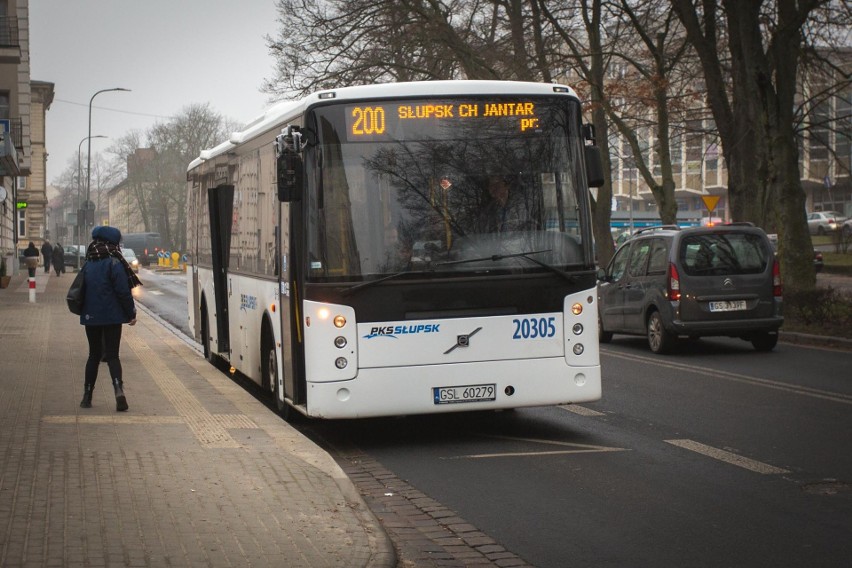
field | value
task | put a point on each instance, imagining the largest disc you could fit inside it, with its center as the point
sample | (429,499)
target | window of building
(818,139)
(843,144)
(694,142)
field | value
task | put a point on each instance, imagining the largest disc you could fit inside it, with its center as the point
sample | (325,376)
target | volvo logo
(462,341)
(728,283)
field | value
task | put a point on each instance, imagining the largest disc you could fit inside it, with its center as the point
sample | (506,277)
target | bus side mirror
(594,166)
(290,176)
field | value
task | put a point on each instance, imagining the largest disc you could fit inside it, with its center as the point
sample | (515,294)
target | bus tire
(269,370)
(604,336)
(205,335)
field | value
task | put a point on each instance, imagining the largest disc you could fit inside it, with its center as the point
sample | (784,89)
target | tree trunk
(756,127)
(602,206)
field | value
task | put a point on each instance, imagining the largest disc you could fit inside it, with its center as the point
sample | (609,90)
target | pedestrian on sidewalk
(108,304)
(47,255)
(31,259)
(58,256)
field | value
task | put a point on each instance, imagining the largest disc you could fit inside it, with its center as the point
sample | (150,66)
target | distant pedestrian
(58,256)
(31,259)
(107,305)
(47,255)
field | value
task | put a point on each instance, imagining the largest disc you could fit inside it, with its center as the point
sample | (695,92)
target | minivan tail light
(776,279)
(674,283)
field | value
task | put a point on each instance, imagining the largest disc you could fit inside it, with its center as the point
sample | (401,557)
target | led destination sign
(407,120)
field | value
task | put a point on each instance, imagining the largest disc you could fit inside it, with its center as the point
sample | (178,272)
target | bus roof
(280,113)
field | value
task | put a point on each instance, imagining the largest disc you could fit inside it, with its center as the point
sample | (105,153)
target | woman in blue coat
(108,304)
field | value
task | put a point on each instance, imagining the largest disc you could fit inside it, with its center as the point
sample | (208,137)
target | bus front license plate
(467,393)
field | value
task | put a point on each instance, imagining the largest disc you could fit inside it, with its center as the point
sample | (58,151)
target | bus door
(221,206)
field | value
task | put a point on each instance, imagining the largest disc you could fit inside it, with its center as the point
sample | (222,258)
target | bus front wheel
(269,369)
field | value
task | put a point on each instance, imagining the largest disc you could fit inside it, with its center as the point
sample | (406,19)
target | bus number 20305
(534,328)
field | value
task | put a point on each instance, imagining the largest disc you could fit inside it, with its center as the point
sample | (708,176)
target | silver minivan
(668,282)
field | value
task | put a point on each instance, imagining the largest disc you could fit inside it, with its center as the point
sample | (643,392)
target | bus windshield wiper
(526,255)
(371,283)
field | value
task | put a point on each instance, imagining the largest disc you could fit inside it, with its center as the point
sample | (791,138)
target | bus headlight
(340,342)
(339,321)
(341,362)
(577,308)
(577,329)
(578,349)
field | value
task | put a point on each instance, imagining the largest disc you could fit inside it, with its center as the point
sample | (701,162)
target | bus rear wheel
(205,335)
(269,368)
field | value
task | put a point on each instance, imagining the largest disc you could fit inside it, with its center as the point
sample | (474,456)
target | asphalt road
(714,456)
(164,292)
(717,456)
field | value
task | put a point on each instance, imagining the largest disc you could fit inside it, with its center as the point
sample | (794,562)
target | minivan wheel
(764,341)
(659,339)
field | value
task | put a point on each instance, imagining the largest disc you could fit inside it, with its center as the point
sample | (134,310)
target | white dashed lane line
(728,457)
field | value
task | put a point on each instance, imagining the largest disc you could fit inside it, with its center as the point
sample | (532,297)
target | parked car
(130,257)
(71,253)
(665,283)
(818,260)
(824,222)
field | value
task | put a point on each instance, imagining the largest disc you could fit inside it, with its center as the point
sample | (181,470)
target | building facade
(33,189)
(125,200)
(15,143)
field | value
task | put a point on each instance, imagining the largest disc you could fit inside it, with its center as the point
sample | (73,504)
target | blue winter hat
(108,234)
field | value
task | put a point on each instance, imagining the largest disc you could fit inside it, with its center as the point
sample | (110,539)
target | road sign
(710,201)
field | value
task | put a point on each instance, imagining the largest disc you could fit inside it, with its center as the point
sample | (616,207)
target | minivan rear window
(721,254)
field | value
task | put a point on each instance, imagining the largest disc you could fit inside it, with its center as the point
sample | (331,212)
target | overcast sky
(170,53)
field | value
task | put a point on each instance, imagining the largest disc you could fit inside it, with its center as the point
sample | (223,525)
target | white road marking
(581,410)
(576,449)
(736,377)
(728,457)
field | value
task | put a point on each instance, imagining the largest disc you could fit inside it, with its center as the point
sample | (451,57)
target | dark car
(71,254)
(819,263)
(666,282)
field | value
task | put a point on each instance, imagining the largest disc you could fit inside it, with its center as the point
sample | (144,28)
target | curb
(811,340)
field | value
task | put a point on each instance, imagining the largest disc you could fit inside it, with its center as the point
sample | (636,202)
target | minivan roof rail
(656,228)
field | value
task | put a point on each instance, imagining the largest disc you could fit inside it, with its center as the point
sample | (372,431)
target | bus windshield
(445,186)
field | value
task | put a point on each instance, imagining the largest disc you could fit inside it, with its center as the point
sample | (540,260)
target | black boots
(120,399)
(88,388)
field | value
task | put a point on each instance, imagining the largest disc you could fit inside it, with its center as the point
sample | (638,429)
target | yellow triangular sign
(710,201)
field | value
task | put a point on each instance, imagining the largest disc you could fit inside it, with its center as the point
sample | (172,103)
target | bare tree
(750,52)
(157,182)
(333,43)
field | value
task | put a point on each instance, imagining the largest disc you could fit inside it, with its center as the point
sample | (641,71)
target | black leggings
(104,341)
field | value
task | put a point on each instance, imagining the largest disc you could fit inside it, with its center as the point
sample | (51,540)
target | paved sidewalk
(196,473)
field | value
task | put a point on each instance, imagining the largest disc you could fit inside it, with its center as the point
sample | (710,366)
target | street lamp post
(79,187)
(89,157)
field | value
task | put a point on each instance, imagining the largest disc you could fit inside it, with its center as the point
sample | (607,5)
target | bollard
(175,260)
(32,266)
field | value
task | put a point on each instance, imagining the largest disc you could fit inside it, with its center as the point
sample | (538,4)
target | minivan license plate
(729,306)
(467,393)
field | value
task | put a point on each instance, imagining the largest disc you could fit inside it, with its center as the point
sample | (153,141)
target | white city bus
(402,249)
